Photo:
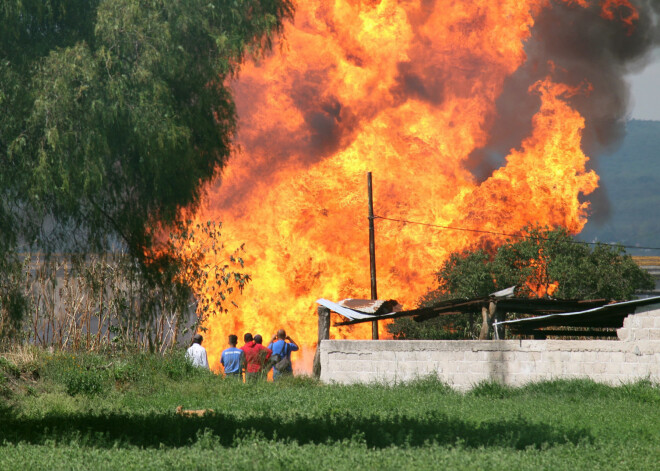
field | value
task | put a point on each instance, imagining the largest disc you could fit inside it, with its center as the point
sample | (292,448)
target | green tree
(114,113)
(542,263)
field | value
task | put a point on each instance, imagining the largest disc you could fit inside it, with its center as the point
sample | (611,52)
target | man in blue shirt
(279,346)
(233,359)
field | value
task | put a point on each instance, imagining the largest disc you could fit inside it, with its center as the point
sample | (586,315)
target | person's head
(258,339)
(281,334)
(197,338)
(233,340)
(247,337)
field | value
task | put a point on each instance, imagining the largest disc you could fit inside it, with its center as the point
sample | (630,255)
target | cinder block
(589,357)
(477,367)
(575,357)
(535,356)
(456,356)
(573,368)
(344,356)
(613,367)
(500,367)
(633,369)
(422,356)
(365,377)
(477,356)
(383,366)
(617,357)
(387,356)
(565,357)
(623,334)
(598,367)
(648,322)
(654,333)
(343,378)
(527,367)
(405,357)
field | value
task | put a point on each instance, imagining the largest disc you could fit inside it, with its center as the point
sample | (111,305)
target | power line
(520,236)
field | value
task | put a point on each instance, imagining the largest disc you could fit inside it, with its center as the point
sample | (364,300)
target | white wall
(464,363)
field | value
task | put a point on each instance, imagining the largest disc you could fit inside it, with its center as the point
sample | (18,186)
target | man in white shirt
(196,354)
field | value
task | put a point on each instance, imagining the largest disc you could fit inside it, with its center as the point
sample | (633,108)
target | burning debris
(470,114)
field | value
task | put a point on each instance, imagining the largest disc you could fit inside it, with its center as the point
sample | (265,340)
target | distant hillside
(631,178)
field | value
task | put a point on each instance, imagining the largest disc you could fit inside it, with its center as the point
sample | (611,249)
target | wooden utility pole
(372,254)
(324,334)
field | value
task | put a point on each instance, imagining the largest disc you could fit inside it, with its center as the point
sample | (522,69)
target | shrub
(125,371)
(9,367)
(79,374)
(176,366)
(4,388)
(83,381)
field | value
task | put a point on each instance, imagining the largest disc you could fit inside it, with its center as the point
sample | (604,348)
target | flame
(404,89)
(621,9)
(539,283)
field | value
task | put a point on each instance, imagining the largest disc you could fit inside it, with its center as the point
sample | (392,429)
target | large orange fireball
(409,90)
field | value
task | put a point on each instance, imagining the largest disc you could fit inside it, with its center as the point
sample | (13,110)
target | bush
(177,366)
(9,367)
(89,382)
(79,374)
(125,371)
(454,327)
(4,388)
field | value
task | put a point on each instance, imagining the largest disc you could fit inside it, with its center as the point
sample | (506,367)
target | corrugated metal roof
(346,312)
(371,306)
(609,315)
(506,304)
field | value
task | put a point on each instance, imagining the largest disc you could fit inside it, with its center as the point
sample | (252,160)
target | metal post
(372,254)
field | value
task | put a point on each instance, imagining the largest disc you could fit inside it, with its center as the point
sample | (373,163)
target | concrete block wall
(643,325)
(464,363)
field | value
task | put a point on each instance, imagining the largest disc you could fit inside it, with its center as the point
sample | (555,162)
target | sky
(645,91)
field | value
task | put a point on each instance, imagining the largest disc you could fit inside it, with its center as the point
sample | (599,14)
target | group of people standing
(253,358)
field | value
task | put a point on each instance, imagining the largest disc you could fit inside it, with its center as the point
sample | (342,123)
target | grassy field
(60,411)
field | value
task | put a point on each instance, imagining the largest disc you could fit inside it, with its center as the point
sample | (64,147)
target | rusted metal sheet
(369,306)
(347,313)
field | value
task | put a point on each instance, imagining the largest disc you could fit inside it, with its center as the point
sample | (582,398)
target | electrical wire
(520,236)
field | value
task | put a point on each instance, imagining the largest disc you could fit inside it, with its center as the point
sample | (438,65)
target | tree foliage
(539,259)
(113,113)
(542,263)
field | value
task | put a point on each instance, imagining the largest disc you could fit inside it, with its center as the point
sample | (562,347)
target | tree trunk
(483,335)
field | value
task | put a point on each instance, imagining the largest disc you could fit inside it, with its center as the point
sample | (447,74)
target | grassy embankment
(60,411)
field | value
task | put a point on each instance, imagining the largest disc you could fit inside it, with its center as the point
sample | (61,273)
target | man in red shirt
(256,355)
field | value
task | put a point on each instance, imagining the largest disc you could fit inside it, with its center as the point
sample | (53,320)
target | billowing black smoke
(573,45)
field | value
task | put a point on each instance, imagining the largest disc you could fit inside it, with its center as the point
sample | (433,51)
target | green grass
(127,420)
